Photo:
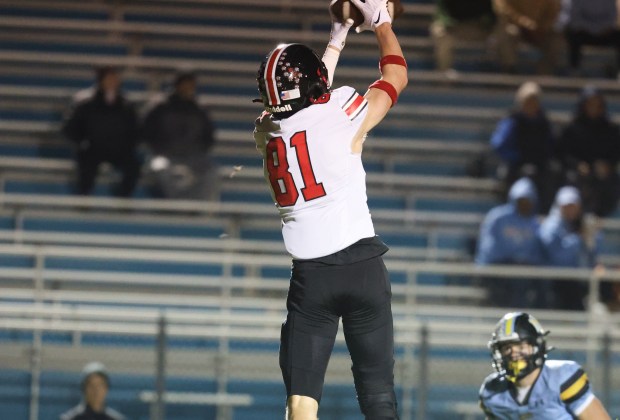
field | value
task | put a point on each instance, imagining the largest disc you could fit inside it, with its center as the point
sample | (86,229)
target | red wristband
(387,88)
(392,59)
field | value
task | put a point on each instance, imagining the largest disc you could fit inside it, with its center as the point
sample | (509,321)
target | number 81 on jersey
(280,177)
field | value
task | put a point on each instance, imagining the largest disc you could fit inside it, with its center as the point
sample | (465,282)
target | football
(344,9)
(395,8)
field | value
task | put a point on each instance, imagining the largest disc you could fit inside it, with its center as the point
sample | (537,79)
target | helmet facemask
(518,328)
(516,368)
(291,78)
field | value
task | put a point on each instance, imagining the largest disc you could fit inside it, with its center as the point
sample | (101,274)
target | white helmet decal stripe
(270,75)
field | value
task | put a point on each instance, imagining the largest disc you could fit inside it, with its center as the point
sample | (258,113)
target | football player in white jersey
(526,385)
(311,137)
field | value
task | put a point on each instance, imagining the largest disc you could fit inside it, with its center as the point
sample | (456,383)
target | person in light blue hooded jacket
(563,233)
(568,241)
(509,235)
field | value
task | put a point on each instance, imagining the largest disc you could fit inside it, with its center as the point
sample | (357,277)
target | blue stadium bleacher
(14,393)
(78,14)
(212,22)
(466,112)
(56,224)
(129,266)
(444,204)
(16,261)
(46,81)
(430,168)
(387,202)
(78,48)
(63,188)
(42,151)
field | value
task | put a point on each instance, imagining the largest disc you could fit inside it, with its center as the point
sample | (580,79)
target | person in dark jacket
(95,384)
(180,135)
(104,128)
(456,21)
(590,150)
(525,144)
(591,22)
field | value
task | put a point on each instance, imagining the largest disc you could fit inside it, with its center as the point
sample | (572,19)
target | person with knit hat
(180,136)
(95,383)
(589,148)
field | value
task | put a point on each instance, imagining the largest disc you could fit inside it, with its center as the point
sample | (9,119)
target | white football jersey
(317,182)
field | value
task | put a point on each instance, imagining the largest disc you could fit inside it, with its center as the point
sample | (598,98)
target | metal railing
(418,330)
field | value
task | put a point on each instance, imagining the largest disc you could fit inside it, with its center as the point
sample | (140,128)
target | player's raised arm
(383,93)
(337,38)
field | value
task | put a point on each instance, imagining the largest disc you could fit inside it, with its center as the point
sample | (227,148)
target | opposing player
(311,140)
(526,385)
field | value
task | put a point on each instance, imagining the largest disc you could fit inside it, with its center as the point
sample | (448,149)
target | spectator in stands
(589,148)
(591,22)
(530,21)
(569,240)
(525,145)
(104,128)
(456,20)
(509,235)
(525,385)
(181,135)
(95,384)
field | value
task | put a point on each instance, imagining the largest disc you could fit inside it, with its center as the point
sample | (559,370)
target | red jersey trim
(354,105)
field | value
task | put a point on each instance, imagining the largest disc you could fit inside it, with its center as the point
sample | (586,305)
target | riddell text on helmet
(283,108)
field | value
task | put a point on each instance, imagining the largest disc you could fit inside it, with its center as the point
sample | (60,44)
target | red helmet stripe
(270,75)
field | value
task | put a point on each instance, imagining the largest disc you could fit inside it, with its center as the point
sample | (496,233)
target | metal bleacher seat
(65,47)
(14,393)
(53,151)
(475,205)
(21,9)
(430,168)
(385,201)
(95,225)
(16,260)
(60,186)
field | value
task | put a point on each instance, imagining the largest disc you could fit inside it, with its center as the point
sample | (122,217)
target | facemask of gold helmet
(517,327)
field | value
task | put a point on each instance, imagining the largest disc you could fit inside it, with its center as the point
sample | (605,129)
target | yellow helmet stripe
(508,329)
(577,386)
